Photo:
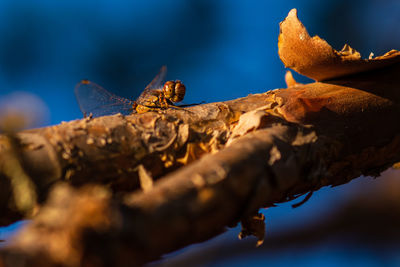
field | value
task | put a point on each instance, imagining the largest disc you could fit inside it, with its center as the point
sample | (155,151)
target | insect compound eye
(179,91)
(169,89)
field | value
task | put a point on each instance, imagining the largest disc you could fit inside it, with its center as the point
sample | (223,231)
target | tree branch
(212,166)
(274,161)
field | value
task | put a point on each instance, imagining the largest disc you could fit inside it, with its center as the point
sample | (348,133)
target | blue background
(221,50)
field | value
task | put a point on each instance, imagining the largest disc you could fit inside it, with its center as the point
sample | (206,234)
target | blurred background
(221,50)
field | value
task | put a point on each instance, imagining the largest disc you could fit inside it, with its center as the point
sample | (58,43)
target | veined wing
(92,98)
(155,85)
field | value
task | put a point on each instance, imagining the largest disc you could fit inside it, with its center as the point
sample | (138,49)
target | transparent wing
(93,98)
(155,85)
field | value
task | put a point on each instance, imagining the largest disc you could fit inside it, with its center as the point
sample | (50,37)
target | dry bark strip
(316,59)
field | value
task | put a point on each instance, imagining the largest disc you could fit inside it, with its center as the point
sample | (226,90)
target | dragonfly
(96,101)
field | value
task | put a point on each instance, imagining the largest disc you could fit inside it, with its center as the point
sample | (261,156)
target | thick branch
(108,150)
(367,218)
(289,142)
(180,176)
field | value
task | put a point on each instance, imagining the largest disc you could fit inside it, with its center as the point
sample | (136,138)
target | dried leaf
(316,59)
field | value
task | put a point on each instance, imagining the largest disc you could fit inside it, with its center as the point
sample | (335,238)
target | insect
(94,99)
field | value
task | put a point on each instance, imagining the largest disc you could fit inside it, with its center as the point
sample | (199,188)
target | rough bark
(365,219)
(109,150)
(289,142)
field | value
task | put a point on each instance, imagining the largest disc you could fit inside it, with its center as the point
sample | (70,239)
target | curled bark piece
(248,122)
(254,225)
(290,81)
(146,181)
(316,59)
(339,101)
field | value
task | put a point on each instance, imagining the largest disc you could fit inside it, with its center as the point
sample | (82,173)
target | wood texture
(212,167)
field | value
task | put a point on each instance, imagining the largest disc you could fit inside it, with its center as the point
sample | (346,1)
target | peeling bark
(366,219)
(110,149)
(316,59)
(275,154)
